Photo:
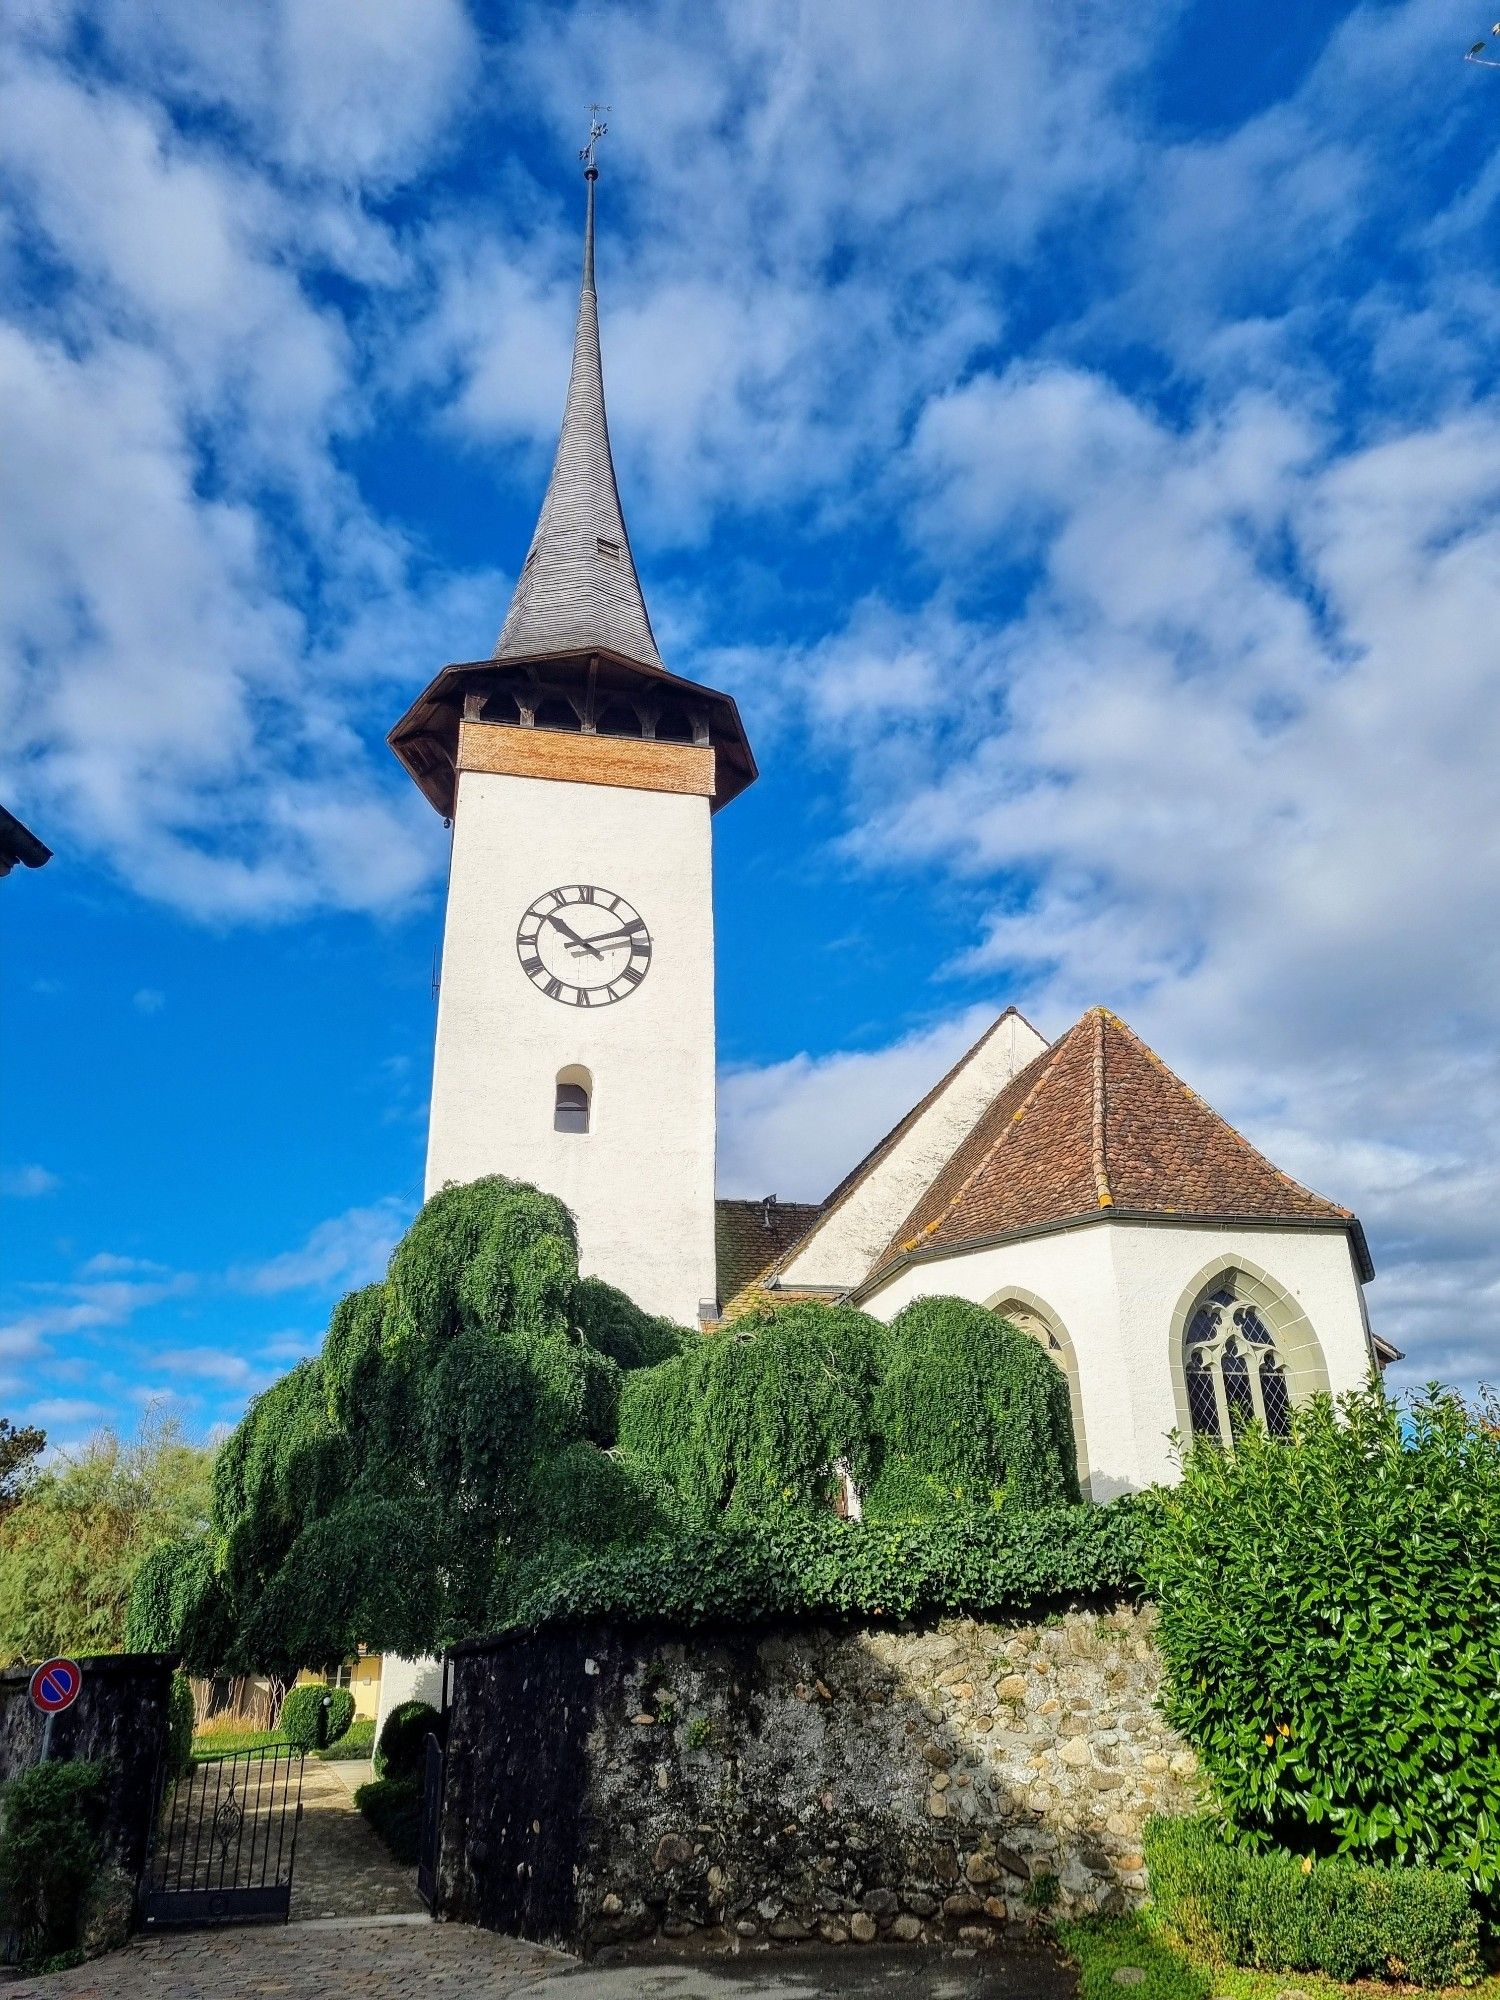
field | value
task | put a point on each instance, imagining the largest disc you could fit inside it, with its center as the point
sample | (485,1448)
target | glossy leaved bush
(1330,1621)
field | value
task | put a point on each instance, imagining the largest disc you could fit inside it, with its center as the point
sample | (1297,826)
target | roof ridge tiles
(988,1153)
(1100,1151)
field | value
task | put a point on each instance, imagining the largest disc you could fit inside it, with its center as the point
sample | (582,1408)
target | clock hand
(573,938)
(612,937)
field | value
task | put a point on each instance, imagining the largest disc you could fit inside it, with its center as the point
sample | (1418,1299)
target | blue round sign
(55,1685)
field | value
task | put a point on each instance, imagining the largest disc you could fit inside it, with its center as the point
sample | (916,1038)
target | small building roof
(749,1236)
(1097,1127)
(578,590)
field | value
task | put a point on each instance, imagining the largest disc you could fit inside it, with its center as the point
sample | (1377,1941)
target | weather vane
(597,130)
(1477,53)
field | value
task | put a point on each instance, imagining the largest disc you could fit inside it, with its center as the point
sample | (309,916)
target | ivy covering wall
(485,1421)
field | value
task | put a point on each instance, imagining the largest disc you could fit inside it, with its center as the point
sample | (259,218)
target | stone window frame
(1298,1349)
(1059,1349)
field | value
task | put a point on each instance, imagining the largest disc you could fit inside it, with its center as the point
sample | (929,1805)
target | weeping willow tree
(456,1422)
(947,1408)
(485,1419)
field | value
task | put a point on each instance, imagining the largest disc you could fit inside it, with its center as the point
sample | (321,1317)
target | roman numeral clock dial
(583,946)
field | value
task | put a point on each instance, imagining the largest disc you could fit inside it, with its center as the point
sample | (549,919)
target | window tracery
(1234,1374)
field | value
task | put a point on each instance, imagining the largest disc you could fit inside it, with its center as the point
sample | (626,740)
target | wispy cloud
(26,1183)
(345,1251)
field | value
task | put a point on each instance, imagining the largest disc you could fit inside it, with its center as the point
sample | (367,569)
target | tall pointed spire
(578,589)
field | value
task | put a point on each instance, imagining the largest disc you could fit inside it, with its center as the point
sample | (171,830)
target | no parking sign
(55,1685)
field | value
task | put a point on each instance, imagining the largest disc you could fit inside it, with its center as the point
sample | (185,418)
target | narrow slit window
(571,1110)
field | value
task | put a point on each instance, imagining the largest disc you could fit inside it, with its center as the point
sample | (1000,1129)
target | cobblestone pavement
(343,1869)
(395,1959)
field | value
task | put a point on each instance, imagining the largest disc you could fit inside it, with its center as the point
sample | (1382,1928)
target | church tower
(575,1032)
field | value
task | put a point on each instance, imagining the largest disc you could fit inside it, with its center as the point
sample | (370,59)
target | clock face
(583,947)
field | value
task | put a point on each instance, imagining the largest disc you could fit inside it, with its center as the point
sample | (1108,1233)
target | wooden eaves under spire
(576,654)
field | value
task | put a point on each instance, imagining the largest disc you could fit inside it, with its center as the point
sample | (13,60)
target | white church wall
(1120,1292)
(841,1248)
(641,1180)
(407,1680)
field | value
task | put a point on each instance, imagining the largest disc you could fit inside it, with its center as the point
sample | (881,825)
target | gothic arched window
(1234,1374)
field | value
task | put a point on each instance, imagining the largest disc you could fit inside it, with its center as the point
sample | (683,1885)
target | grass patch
(356,1742)
(393,1806)
(1101,1946)
(223,1742)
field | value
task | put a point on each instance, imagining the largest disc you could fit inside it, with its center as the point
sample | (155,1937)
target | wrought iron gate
(227,1841)
(432,1819)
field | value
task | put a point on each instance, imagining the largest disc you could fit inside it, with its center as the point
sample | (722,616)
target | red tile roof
(1098,1125)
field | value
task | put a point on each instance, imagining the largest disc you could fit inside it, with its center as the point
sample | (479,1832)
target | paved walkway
(394,1959)
(343,1869)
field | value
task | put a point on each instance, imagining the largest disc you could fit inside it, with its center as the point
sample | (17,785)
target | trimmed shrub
(49,1854)
(1329,1626)
(356,1743)
(400,1750)
(302,1716)
(182,1719)
(393,1806)
(1278,1913)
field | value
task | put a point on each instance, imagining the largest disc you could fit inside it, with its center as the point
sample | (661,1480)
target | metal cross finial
(597,130)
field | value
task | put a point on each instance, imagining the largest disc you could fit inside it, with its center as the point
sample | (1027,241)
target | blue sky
(1072,434)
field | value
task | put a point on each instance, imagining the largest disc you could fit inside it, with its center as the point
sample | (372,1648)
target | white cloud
(26,1183)
(346,1251)
(85,1305)
(65,1410)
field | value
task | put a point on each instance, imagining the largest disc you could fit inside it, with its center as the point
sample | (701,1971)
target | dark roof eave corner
(1364,1263)
(19,843)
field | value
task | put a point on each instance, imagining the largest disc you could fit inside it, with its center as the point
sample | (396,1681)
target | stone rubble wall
(845,1784)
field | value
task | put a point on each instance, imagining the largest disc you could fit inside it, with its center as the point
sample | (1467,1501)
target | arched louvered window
(574,1100)
(1234,1373)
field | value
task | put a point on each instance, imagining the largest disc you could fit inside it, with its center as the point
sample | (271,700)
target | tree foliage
(20,1448)
(971,1407)
(389,1490)
(71,1544)
(485,1419)
(1330,1619)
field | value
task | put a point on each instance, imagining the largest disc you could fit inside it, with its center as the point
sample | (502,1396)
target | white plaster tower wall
(640,1181)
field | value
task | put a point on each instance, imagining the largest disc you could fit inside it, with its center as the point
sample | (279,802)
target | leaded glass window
(1233,1373)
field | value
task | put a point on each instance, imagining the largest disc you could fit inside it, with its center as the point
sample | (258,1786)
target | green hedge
(393,1806)
(403,1739)
(49,1854)
(1281,1913)
(741,1573)
(302,1716)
